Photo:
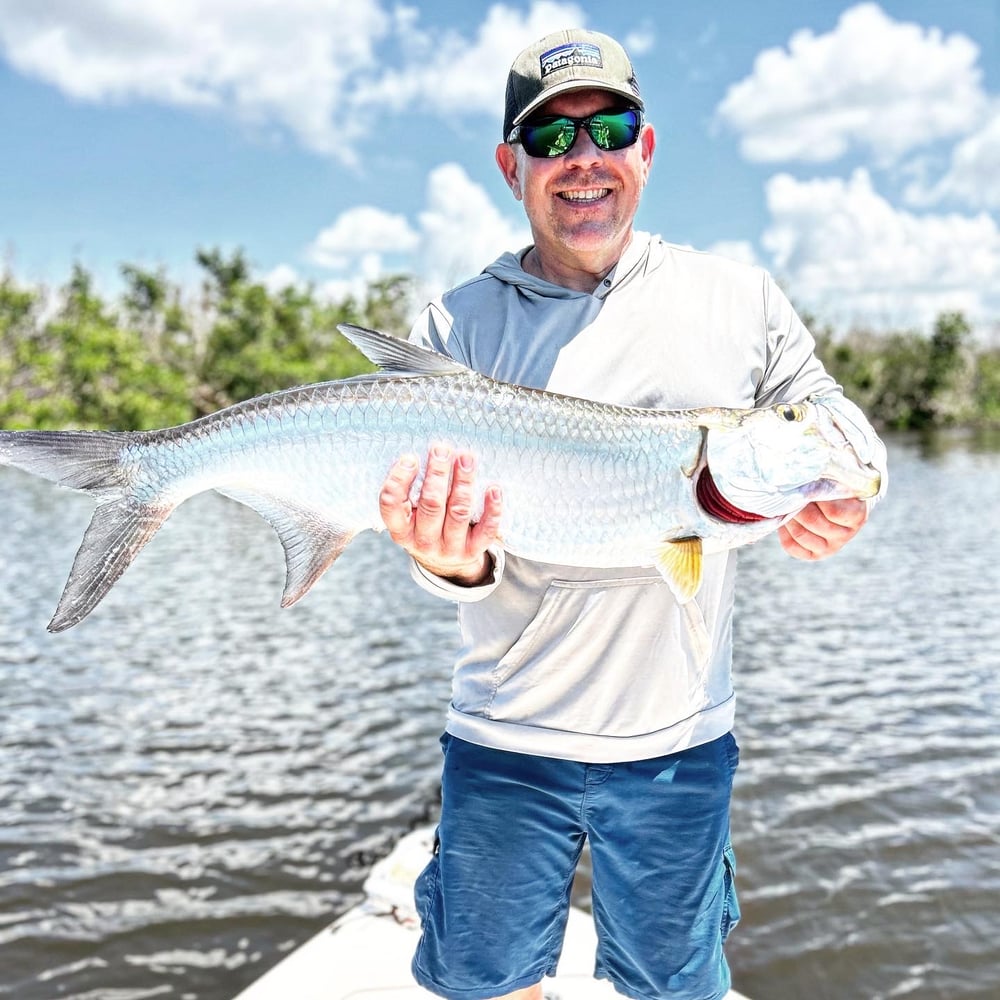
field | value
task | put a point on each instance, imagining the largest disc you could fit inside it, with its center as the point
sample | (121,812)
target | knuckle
(430,504)
(460,512)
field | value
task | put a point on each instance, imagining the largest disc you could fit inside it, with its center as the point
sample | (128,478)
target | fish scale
(553,478)
(584,483)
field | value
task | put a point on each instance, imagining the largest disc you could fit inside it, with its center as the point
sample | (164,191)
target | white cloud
(461,230)
(882,85)
(263,63)
(281,277)
(442,71)
(641,40)
(359,232)
(973,176)
(740,250)
(852,258)
(454,237)
(293,64)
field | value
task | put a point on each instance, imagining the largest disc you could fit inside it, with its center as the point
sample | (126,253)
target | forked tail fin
(90,461)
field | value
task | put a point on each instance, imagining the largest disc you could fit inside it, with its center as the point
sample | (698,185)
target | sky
(852,149)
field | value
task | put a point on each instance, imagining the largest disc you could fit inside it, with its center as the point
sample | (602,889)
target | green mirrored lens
(600,132)
(615,131)
(555,136)
(551,138)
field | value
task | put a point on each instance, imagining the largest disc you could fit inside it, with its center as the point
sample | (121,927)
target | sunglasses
(555,135)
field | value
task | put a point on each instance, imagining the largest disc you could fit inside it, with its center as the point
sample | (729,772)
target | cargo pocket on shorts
(731,905)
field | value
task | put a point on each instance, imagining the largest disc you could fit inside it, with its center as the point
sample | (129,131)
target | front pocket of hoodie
(600,656)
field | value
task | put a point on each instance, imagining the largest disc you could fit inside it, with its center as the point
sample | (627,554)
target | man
(579,710)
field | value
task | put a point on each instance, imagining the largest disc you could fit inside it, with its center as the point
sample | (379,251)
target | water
(193,781)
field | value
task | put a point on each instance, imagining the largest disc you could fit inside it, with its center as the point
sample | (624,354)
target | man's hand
(438,531)
(822,528)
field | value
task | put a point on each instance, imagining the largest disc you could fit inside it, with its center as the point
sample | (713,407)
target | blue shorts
(495,897)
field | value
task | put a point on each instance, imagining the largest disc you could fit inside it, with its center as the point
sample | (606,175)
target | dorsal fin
(399,357)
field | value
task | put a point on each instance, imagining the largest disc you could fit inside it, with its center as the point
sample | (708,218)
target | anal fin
(311,543)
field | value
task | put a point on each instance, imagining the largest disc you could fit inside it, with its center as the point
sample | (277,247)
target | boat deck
(367,952)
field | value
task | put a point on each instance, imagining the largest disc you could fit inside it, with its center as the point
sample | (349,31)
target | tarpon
(584,483)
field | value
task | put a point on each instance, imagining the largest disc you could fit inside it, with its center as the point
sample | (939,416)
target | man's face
(584,201)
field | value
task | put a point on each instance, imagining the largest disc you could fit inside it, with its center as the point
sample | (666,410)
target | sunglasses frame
(517,132)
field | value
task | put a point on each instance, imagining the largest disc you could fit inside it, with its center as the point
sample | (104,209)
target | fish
(585,483)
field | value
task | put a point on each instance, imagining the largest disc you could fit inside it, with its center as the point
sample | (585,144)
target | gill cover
(769,463)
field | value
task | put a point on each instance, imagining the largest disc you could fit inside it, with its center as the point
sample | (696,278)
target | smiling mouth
(585,196)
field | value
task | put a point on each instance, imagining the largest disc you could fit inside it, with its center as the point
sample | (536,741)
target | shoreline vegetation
(152,359)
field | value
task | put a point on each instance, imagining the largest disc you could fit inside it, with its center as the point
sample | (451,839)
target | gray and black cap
(568,60)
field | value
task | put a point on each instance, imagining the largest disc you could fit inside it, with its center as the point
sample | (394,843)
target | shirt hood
(637,259)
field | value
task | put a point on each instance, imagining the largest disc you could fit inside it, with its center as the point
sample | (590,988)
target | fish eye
(791,412)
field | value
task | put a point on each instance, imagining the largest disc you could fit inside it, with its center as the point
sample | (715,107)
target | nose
(584,150)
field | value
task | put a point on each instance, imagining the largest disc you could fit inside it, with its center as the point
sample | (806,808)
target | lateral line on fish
(310,461)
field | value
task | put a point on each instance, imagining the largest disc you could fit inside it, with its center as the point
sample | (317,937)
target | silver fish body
(584,483)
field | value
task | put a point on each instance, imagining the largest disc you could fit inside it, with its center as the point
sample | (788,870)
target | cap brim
(571,85)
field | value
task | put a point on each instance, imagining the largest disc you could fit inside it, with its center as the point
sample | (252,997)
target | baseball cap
(573,59)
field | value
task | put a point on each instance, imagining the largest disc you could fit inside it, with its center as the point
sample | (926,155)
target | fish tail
(91,462)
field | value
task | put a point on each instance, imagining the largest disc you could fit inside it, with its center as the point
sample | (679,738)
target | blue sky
(853,149)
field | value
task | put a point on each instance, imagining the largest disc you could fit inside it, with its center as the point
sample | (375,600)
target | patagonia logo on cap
(571,54)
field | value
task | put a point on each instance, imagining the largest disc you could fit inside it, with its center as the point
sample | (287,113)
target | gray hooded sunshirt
(596,665)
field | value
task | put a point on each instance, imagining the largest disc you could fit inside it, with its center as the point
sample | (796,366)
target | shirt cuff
(451,591)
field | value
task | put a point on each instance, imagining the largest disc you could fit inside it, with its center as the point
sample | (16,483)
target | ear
(507,162)
(647,145)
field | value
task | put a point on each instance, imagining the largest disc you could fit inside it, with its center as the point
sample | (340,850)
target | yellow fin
(679,563)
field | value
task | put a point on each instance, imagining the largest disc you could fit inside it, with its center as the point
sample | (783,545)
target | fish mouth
(860,476)
(863,484)
(873,483)
(860,479)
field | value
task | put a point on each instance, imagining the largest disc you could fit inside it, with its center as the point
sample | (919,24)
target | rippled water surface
(193,781)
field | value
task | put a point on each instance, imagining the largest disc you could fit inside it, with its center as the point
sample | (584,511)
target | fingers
(438,530)
(486,530)
(850,514)
(394,499)
(433,504)
(455,530)
(823,528)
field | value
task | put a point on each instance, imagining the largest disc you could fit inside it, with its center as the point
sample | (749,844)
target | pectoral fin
(679,563)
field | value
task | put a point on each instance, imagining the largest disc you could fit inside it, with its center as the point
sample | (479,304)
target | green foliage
(907,381)
(260,341)
(152,361)
(83,366)
(986,399)
(28,397)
